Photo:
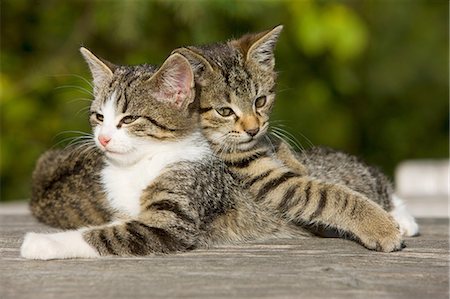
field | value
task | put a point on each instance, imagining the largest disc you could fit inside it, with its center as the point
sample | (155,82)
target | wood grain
(300,268)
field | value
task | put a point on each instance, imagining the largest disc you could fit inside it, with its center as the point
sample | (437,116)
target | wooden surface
(301,268)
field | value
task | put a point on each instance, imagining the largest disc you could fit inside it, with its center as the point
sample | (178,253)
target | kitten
(152,186)
(236,86)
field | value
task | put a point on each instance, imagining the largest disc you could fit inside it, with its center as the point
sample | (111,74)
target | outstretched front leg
(163,226)
(342,208)
(300,199)
(131,238)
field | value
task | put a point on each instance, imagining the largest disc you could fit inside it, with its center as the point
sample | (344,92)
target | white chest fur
(124,184)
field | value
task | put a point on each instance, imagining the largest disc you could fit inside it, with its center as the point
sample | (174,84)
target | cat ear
(102,70)
(200,65)
(259,47)
(174,82)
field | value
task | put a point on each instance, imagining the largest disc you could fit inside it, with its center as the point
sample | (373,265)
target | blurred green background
(367,77)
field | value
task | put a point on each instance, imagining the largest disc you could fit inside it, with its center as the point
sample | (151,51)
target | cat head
(236,86)
(137,107)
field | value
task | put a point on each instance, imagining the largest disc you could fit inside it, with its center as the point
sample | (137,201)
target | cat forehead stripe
(159,125)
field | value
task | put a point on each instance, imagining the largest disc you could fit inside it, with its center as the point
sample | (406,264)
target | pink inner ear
(176,83)
(180,97)
(182,80)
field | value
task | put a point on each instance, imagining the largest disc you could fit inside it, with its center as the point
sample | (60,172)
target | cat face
(136,108)
(236,82)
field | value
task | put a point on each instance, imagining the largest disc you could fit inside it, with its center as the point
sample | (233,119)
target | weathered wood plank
(301,268)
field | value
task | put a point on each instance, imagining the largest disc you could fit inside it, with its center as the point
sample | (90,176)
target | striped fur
(186,208)
(66,190)
(185,198)
(236,87)
(340,168)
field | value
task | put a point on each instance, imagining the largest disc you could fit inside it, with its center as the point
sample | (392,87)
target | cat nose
(252,132)
(104,140)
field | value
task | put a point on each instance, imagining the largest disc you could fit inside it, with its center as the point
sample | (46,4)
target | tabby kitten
(159,187)
(236,86)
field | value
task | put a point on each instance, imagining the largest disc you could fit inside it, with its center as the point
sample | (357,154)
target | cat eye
(260,102)
(225,111)
(128,119)
(99,117)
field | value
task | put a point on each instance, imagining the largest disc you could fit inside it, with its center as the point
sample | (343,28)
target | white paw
(407,223)
(69,244)
(39,247)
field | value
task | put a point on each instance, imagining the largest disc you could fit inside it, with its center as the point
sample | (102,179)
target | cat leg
(312,201)
(356,214)
(163,227)
(407,223)
(137,238)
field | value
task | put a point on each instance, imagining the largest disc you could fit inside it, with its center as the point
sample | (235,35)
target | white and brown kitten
(152,185)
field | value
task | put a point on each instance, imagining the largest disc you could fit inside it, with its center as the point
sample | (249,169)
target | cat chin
(116,153)
(245,146)
(122,159)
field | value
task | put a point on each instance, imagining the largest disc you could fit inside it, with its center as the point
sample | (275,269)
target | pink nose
(104,140)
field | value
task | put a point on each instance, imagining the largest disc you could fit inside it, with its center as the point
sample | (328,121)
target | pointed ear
(102,70)
(259,47)
(200,65)
(174,82)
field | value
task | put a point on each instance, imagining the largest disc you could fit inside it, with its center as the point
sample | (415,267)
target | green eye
(225,111)
(99,117)
(128,119)
(260,102)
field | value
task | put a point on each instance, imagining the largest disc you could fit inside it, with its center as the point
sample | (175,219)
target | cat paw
(386,243)
(385,238)
(407,223)
(38,247)
(63,245)
(408,227)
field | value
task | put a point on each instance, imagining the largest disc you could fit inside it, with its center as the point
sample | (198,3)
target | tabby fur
(236,85)
(152,186)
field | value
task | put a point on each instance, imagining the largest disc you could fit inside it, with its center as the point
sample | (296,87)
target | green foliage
(367,77)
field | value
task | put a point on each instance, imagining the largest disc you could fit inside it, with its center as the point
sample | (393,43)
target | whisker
(295,140)
(76,87)
(80,100)
(309,142)
(77,76)
(279,121)
(270,142)
(283,90)
(289,137)
(82,137)
(83,110)
(307,139)
(74,132)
